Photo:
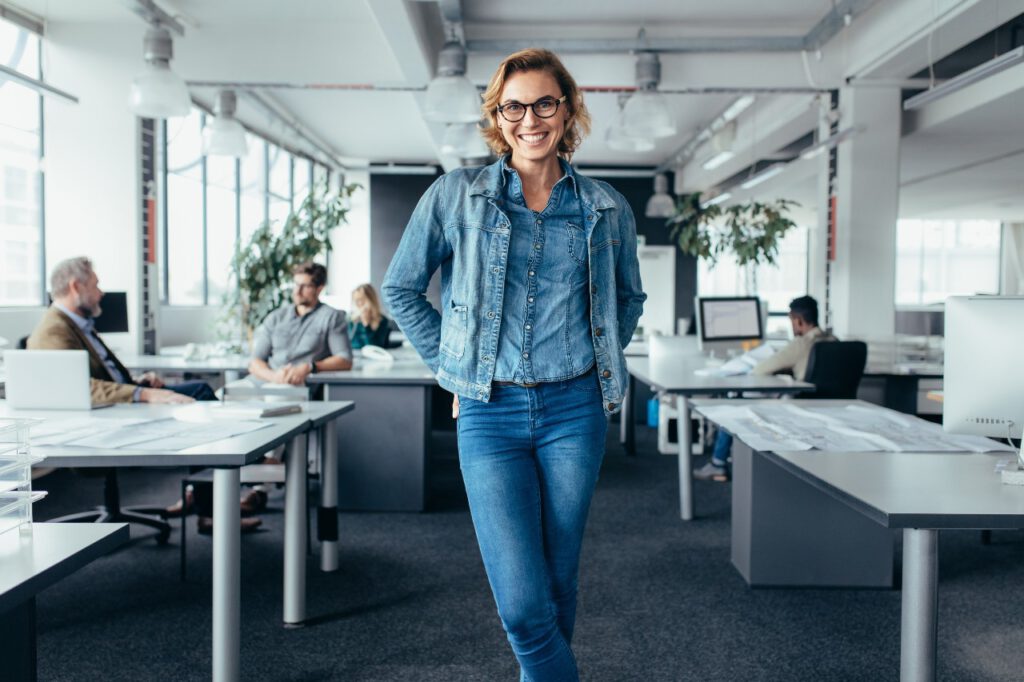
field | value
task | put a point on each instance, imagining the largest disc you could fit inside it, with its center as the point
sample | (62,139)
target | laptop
(48,379)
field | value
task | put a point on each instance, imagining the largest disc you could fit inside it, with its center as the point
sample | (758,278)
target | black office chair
(835,368)
(111,510)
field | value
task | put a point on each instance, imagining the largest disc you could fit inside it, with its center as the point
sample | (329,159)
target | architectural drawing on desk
(850,428)
(169,435)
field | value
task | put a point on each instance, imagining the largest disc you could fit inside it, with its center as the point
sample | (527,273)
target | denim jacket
(458,227)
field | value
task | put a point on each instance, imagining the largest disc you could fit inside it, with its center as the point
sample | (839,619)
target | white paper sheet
(853,428)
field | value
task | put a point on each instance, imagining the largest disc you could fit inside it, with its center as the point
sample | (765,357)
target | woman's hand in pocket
(455,407)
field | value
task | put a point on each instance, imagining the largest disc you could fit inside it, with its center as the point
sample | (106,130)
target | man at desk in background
(297,340)
(69,325)
(793,357)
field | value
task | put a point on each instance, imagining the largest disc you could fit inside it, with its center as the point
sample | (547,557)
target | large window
(215,203)
(21,180)
(777,284)
(936,259)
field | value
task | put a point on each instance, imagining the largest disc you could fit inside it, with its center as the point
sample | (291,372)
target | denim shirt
(545,335)
(458,226)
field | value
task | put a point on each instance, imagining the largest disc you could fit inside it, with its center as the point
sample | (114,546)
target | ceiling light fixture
(223,135)
(463,140)
(719,198)
(451,97)
(158,92)
(619,140)
(829,143)
(761,176)
(721,146)
(978,73)
(741,104)
(661,204)
(647,114)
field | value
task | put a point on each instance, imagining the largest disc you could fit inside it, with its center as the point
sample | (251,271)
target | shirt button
(490,314)
(590,217)
(530,299)
(611,406)
(495,270)
(536,247)
(487,358)
(529,327)
(526,356)
(531,273)
(598,331)
(606,374)
(540,222)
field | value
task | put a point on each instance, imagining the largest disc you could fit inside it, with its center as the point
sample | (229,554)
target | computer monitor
(728,321)
(115,313)
(983,381)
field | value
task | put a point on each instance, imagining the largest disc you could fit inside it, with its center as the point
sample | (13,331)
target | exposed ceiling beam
(408,42)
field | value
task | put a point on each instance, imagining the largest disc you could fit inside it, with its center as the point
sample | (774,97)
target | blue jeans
(723,444)
(530,459)
(200,390)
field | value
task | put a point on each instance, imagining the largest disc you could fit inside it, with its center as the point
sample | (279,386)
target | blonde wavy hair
(535,59)
(373,302)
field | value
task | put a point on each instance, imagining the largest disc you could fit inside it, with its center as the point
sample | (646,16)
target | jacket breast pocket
(454,329)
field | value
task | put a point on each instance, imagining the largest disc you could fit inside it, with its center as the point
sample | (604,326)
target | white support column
(864,270)
(817,236)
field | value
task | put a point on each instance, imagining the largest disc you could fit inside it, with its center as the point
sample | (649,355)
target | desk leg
(226,575)
(627,422)
(327,520)
(295,533)
(685,458)
(920,604)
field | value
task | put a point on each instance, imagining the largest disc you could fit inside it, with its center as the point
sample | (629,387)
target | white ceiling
(952,166)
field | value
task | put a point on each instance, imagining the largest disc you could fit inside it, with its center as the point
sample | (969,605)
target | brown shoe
(253,502)
(204,524)
(181,507)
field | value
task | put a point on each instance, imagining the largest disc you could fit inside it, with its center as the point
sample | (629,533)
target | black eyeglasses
(545,107)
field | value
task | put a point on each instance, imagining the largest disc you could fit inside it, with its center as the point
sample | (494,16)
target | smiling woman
(540,291)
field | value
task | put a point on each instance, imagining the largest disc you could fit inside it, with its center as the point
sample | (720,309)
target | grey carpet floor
(659,598)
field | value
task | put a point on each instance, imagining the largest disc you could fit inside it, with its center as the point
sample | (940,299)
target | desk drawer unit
(785,533)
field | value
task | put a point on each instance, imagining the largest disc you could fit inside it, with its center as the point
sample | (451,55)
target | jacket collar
(489,181)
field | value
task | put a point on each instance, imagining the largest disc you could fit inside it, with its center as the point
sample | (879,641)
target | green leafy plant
(262,268)
(750,231)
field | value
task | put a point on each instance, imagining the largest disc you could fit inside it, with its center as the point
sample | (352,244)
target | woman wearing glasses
(540,291)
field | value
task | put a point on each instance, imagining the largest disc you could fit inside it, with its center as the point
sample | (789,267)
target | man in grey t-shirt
(296,340)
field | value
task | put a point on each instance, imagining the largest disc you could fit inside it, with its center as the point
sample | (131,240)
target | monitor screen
(115,313)
(730,319)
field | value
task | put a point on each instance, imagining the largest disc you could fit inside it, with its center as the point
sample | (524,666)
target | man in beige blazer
(69,325)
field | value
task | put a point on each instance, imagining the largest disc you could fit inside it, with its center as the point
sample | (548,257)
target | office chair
(836,368)
(111,511)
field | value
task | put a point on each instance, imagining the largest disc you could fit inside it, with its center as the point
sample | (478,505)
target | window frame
(39,175)
(294,159)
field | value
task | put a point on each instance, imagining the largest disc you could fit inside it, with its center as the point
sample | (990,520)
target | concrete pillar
(863,272)
(818,263)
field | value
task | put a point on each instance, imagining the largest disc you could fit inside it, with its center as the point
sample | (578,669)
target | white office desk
(230,367)
(29,563)
(676,375)
(226,456)
(387,449)
(920,494)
